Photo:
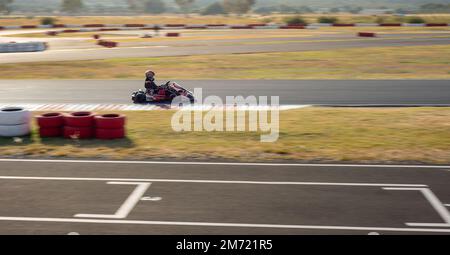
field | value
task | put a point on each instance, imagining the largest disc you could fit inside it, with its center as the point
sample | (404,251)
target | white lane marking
(127,206)
(446,204)
(73,234)
(154,199)
(373,234)
(435,203)
(208,181)
(216,224)
(212,163)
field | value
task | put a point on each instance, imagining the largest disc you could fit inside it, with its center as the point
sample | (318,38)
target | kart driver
(150,84)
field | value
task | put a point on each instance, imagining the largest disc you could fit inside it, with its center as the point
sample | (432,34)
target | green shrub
(295,21)
(416,20)
(327,20)
(48,21)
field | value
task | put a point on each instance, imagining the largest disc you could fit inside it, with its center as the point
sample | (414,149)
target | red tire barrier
(107,134)
(257,25)
(109,121)
(51,132)
(134,25)
(216,25)
(292,27)
(78,132)
(173,34)
(96,37)
(93,25)
(366,34)
(79,119)
(175,25)
(1,28)
(71,31)
(50,120)
(391,25)
(436,25)
(58,25)
(343,25)
(28,26)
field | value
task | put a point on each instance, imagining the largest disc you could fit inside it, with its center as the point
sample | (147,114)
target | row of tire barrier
(248,26)
(23,47)
(14,122)
(101,27)
(82,125)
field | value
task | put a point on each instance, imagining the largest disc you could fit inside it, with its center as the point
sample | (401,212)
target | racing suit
(151,86)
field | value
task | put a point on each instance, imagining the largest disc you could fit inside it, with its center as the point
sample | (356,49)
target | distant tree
(72,5)
(266,10)
(185,5)
(5,6)
(286,9)
(305,9)
(136,5)
(214,9)
(155,6)
(435,8)
(402,11)
(355,10)
(238,6)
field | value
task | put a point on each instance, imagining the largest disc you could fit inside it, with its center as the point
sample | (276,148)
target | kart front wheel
(139,98)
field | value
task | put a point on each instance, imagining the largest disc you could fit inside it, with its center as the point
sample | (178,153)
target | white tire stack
(14,122)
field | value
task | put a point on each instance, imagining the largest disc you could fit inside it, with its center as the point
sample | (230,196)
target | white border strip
(143,107)
(216,224)
(209,181)
(217,163)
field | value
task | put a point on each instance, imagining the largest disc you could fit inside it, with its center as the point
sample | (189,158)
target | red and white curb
(136,107)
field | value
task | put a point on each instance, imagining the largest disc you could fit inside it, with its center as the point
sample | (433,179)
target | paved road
(58,197)
(334,92)
(210,47)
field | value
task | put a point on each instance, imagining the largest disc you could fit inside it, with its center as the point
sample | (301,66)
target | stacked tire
(79,125)
(109,126)
(15,122)
(50,125)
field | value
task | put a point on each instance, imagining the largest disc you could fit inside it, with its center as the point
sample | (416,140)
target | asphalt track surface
(221,47)
(91,197)
(291,92)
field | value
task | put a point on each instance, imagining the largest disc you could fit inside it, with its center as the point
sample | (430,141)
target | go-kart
(165,93)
